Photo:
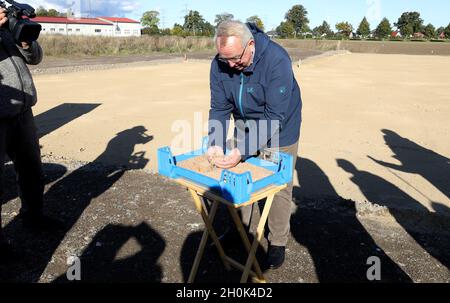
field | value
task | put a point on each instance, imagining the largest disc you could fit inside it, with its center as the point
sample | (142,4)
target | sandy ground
(359,109)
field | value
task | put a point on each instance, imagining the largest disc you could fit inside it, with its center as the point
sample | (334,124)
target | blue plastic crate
(236,188)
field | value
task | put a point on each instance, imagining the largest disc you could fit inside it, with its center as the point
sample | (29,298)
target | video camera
(19,23)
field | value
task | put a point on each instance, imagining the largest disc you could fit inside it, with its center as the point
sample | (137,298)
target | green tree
(447,31)
(152,31)
(384,29)
(408,31)
(223,17)
(409,21)
(41,11)
(344,28)
(53,13)
(165,32)
(298,17)
(306,29)
(440,30)
(323,30)
(364,28)
(429,31)
(193,23)
(178,30)
(207,29)
(150,19)
(256,20)
(285,30)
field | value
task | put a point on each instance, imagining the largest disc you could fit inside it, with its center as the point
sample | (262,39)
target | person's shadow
(68,198)
(417,159)
(426,228)
(100,263)
(61,115)
(327,226)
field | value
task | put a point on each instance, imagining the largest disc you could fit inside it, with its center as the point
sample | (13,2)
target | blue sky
(271,12)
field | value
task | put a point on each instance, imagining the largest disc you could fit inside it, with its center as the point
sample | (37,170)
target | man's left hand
(230,160)
(25,45)
(3,18)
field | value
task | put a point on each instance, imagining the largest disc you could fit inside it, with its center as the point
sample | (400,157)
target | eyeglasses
(234,59)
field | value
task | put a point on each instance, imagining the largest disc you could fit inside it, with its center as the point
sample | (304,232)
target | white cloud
(89,7)
(45,4)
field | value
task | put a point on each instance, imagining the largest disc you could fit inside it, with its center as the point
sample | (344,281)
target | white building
(123,27)
(105,26)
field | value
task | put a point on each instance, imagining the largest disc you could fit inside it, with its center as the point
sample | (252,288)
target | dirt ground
(372,174)
(133,226)
(371,47)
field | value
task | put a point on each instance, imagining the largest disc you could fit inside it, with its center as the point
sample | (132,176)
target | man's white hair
(234,28)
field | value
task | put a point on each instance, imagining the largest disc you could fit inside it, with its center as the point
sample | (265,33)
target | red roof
(70,21)
(121,20)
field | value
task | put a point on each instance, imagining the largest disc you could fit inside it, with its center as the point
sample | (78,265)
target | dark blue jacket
(266,90)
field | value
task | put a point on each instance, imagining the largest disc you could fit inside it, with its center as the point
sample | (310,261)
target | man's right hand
(3,18)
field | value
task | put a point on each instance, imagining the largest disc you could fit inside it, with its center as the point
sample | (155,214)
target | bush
(59,45)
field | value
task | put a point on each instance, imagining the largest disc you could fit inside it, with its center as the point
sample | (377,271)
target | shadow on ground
(327,226)
(101,260)
(67,199)
(424,226)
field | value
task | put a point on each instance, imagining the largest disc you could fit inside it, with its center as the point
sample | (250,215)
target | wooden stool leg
(245,240)
(259,235)
(202,245)
(198,257)
(208,223)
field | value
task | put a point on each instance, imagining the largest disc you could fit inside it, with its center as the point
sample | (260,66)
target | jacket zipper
(240,95)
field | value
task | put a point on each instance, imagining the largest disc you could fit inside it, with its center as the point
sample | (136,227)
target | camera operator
(18,136)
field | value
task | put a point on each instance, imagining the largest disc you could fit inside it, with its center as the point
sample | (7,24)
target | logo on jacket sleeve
(283,90)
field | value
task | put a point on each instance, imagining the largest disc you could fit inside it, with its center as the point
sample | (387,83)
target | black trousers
(19,140)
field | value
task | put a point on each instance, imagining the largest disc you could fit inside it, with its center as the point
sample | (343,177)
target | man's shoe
(42,223)
(275,256)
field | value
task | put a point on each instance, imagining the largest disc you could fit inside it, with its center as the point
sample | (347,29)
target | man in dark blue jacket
(252,78)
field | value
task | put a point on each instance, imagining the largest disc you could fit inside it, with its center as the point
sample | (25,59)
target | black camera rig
(19,23)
